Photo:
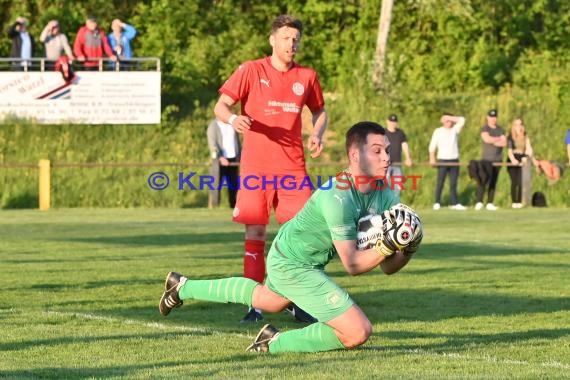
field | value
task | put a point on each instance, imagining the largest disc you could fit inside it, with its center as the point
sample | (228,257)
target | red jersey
(274,100)
(91,44)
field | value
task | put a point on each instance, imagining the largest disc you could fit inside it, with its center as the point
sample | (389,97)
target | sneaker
(517,205)
(300,314)
(491,207)
(170,298)
(262,340)
(478,206)
(252,316)
(458,206)
(436,206)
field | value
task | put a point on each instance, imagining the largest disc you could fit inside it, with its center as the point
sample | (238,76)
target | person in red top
(91,42)
(272,92)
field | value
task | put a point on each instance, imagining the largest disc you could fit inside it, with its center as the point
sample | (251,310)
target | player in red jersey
(272,92)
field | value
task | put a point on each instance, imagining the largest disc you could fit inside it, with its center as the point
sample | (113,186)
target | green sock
(233,289)
(313,338)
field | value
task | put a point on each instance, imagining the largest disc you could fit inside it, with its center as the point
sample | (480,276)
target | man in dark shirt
(398,144)
(493,141)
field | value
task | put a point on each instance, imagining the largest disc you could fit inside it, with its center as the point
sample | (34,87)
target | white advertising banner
(112,97)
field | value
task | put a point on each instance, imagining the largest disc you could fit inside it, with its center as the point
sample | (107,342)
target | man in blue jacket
(120,41)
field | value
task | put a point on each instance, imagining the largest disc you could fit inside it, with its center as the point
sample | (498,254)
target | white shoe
(517,205)
(491,207)
(478,206)
(436,206)
(458,206)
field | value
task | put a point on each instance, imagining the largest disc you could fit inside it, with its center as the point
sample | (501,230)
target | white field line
(162,326)
(152,325)
(487,359)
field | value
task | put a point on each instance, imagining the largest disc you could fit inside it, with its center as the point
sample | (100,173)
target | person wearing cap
(445,140)
(55,43)
(120,40)
(91,45)
(22,44)
(493,140)
(398,144)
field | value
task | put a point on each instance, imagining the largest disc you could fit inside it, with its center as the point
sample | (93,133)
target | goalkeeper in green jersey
(326,227)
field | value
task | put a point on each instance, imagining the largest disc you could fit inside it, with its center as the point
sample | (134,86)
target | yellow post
(45,184)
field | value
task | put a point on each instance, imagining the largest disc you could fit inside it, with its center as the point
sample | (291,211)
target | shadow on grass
(460,341)
(72,339)
(170,239)
(437,251)
(22,201)
(165,239)
(84,372)
(430,305)
(425,305)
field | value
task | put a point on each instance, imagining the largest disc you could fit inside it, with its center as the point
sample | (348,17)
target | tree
(382,41)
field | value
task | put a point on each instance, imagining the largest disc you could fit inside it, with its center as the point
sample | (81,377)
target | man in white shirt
(445,141)
(225,149)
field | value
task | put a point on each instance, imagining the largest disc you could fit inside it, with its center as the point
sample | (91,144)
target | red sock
(254,260)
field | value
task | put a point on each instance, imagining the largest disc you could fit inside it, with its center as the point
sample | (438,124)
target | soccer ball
(407,230)
(399,229)
(370,229)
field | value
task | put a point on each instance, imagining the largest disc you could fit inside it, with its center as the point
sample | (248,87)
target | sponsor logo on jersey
(334,299)
(298,89)
(285,106)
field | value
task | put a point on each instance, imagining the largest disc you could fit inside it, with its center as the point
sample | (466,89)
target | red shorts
(260,192)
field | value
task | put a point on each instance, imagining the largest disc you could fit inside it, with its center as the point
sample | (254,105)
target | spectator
(445,140)
(272,92)
(567,142)
(493,141)
(23,45)
(519,151)
(398,144)
(55,43)
(90,45)
(225,150)
(325,227)
(120,41)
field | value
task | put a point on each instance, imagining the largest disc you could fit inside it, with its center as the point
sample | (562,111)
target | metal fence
(93,64)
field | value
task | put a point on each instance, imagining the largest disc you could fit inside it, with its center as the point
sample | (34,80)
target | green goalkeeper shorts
(307,286)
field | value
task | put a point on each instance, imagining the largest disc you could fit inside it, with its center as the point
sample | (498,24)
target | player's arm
(320,122)
(356,262)
(223,111)
(408,156)
(498,141)
(394,263)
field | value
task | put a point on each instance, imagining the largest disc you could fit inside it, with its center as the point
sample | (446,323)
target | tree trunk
(382,42)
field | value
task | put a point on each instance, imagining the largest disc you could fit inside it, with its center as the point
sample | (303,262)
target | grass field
(487,296)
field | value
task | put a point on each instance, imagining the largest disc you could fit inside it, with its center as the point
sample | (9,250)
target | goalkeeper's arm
(356,262)
(395,262)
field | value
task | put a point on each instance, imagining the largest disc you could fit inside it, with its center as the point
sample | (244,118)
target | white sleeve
(433,142)
(457,127)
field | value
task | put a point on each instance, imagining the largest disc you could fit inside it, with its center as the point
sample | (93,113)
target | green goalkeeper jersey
(332,213)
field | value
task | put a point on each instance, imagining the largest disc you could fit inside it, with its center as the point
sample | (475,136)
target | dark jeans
(490,184)
(230,182)
(442,172)
(515,172)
